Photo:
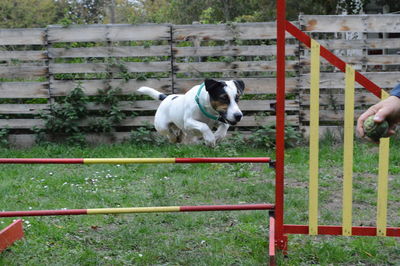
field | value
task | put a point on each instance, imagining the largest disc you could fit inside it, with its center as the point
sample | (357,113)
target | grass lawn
(212,238)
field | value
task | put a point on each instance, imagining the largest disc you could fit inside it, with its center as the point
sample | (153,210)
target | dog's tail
(156,95)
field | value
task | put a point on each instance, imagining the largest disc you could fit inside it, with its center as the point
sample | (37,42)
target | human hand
(388,109)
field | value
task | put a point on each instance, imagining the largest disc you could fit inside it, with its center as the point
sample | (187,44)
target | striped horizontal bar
(338,230)
(240,207)
(133,160)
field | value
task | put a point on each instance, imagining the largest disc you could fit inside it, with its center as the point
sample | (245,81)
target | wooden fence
(40,66)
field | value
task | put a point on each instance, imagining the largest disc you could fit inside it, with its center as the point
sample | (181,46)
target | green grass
(214,238)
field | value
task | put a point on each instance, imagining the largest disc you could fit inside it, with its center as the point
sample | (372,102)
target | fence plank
(336,80)
(92,87)
(23,108)
(365,60)
(22,71)
(113,51)
(104,68)
(23,55)
(332,44)
(361,99)
(24,90)
(22,36)
(243,66)
(354,23)
(101,33)
(235,31)
(21,123)
(243,50)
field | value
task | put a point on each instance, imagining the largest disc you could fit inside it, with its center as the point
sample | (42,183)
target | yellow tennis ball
(374,130)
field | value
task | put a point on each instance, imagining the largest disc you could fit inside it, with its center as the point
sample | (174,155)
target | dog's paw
(219,138)
(211,144)
(211,141)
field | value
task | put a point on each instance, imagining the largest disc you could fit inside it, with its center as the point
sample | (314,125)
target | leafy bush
(145,135)
(62,123)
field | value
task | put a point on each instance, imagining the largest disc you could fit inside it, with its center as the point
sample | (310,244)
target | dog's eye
(224,98)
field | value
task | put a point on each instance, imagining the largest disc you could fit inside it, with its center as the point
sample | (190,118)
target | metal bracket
(272,164)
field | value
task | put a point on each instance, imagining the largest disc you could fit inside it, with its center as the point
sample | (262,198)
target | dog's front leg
(221,132)
(208,136)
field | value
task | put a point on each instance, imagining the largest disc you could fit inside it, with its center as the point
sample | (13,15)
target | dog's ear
(239,85)
(211,84)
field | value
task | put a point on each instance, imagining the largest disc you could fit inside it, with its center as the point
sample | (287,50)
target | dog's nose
(238,116)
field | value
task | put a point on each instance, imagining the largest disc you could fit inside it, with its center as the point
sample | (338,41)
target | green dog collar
(203,110)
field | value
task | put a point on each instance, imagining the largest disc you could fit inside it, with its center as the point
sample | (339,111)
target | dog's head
(224,98)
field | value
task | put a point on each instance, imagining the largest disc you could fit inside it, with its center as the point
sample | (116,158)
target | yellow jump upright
(348,151)
(383,173)
(314,139)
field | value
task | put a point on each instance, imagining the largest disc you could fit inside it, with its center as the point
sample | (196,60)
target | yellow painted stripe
(127,160)
(314,139)
(383,182)
(348,151)
(133,210)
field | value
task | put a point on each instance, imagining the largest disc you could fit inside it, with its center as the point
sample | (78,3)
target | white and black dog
(190,116)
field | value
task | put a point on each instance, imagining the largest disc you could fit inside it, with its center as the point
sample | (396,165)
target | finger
(366,114)
(391,132)
(381,115)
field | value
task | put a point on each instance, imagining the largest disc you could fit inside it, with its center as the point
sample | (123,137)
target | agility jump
(351,76)
(278,229)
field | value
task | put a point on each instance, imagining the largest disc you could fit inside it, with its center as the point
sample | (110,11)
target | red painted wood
(337,230)
(42,213)
(240,207)
(40,161)
(10,234)
(280,124)
(333,59)
(272,240)
(224,160)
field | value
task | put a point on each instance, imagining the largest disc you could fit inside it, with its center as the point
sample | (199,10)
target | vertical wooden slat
(314,138)
(383,182)
(348,151)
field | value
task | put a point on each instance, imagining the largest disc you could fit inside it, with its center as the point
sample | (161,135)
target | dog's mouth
(232,123)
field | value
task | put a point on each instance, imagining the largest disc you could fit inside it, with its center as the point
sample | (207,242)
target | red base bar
(39,161)
(241,207)
(224,160)
(337,230)
(10,234)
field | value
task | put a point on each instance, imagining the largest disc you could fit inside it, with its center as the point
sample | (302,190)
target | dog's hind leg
(175,134)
